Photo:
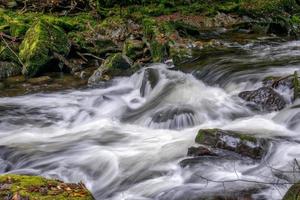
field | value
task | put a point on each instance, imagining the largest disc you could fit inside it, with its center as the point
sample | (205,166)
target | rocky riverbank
(95,41)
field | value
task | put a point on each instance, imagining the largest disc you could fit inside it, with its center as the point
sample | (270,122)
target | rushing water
(125,139)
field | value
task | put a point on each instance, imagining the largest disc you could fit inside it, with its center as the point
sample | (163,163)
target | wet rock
(9,69)
(173,118)
(134,48)
(115,65)
(200,151)
(264,99)
(150,80)
(21,187)
(41,41)
(40,80)
(245,145)
(278,28)
(293,193)
(278,82)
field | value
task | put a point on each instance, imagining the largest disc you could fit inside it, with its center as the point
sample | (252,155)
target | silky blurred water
(125,139)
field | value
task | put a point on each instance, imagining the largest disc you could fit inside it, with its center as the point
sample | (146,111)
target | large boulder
(264,99)
(41,41)
(243,144)
(115,65)
(21,187)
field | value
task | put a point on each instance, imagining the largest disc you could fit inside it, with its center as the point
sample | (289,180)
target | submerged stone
(264,99)
(40,42)
(243,144)
(18,187)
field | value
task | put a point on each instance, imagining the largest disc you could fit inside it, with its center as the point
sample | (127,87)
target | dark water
(125,140)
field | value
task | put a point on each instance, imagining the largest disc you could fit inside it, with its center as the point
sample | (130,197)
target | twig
(7,46)
(84,58)
(91,55)
(276,82)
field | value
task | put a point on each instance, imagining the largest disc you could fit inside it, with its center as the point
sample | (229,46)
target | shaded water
(125,139)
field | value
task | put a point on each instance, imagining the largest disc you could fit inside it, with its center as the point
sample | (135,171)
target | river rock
(264,99)
(8,69)
(41,41)
(151,78)
(115,65)
(21,187)
(243,144)
(293,193)
(200,151)
(173,117)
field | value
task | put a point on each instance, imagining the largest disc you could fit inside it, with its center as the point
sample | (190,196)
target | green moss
(228,7)
(117,61)
(133,48)
(262,7)
(39,44)
(35,187)
(8,69)
(293,193)
(296,85)
(159,50)
(203,133)
(150,28)
(6,54)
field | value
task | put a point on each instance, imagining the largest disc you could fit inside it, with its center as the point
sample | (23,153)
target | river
(124,139)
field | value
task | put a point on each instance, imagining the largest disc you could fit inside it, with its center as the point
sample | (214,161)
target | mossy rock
(115,65)
(9,69)
(133,48)
(296,85)
(7,54)
(293,193)
(243,144)
(17,25)
(35,187)
(40,42)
